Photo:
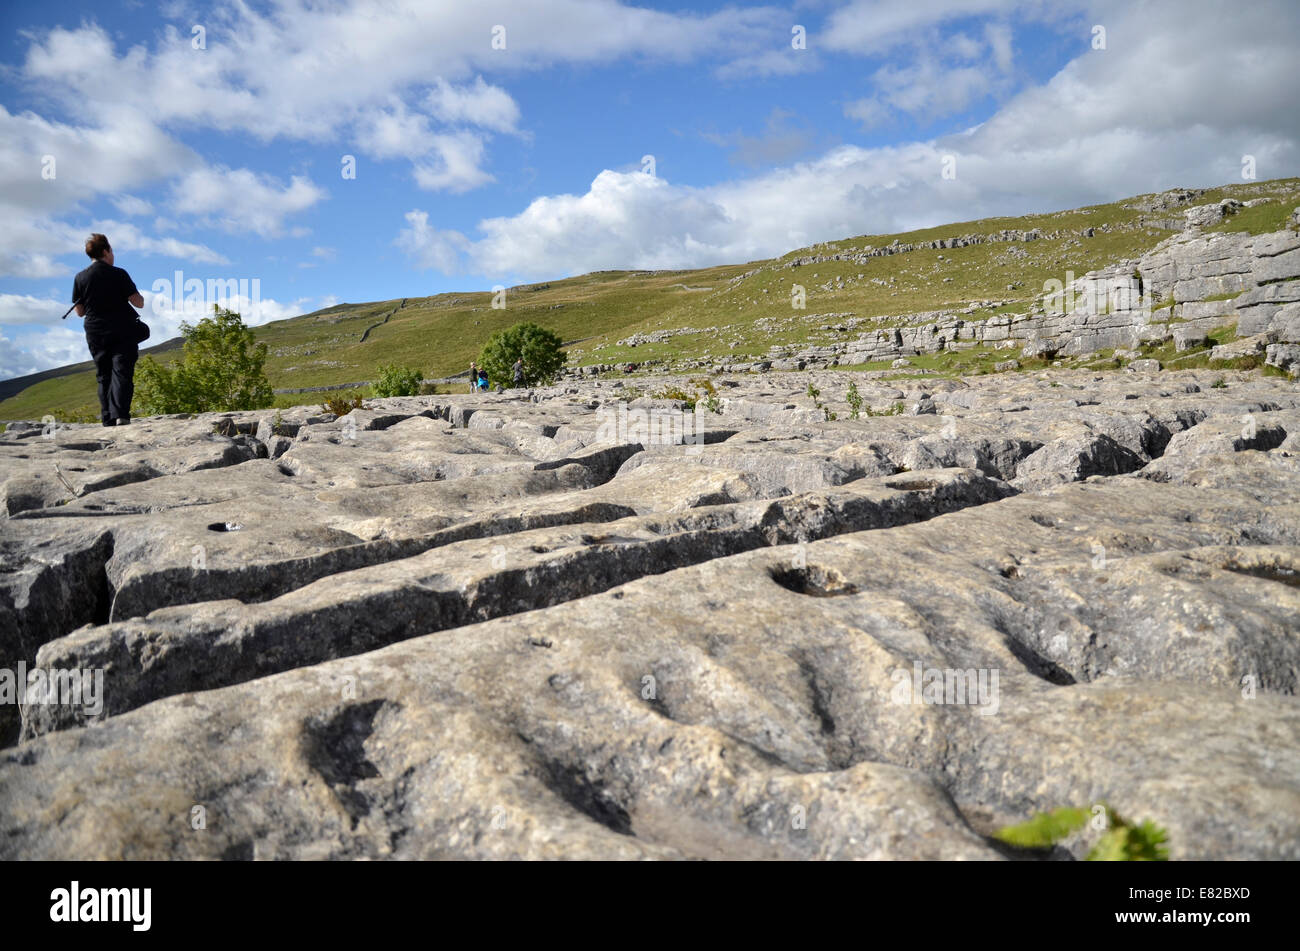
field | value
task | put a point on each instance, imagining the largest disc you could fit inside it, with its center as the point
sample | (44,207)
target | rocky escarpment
(1191,283)
(552,623)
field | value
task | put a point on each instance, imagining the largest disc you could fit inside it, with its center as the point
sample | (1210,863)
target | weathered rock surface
(531,625)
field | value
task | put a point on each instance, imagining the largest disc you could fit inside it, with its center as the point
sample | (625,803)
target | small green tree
(222,368)
(539,348)
(398,381)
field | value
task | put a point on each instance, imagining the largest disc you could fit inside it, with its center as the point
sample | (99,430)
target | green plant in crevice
(1120,841)
(854,399)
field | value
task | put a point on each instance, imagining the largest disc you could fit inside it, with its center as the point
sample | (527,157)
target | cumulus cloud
(430,248)
(942,77)
(25,350)
(479,104)
(131,206)
(240,200)
(48,166)
(276,73)
(874,26)
(454,164)
(48,169)
(26,309)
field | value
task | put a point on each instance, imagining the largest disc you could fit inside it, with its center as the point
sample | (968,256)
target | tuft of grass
(342,405)
(895,409)
(80,414)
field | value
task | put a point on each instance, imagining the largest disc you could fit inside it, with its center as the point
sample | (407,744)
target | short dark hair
(97,246)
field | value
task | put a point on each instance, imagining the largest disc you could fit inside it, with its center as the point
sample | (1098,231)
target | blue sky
(478,166)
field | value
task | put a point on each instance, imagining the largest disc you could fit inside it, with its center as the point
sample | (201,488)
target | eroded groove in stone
(222,642)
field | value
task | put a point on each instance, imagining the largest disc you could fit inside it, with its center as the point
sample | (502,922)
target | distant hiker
(473,376)
(100,294)
(518,372)
(483,379)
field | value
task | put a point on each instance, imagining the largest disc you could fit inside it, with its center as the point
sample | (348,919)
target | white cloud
(866,27)
(454,164)
(319,73)
(428,247)
(943,76)
(241,201)
(126,151)
(128,241)
(479,104)
(998,36)
(29,350)
(131,206)
(395,132)
(30,248)
(26,309)
(48,169)
(774,62)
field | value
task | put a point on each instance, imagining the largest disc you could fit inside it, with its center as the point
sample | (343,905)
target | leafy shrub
(539,348)
(398,381)
(222,368)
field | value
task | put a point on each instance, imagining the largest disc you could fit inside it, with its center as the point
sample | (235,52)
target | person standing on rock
(100,295)
(518,371)
(473,376)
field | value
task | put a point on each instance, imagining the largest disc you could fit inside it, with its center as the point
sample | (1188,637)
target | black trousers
(115,371)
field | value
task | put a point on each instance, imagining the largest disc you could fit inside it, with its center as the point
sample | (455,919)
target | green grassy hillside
(741,309)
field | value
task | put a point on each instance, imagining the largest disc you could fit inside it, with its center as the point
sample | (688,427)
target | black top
(104,290)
